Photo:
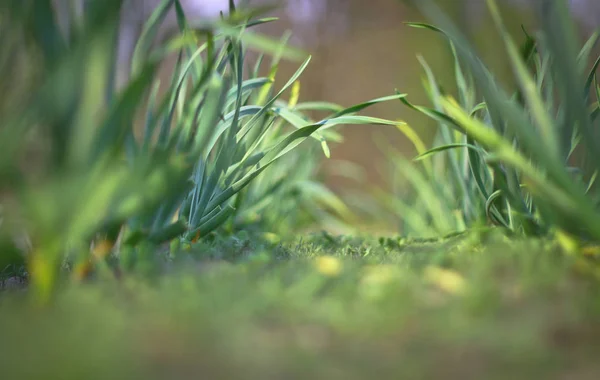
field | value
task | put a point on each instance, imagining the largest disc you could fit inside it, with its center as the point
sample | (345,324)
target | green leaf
(286,145)
(148,35)
(443,148)
(361,106)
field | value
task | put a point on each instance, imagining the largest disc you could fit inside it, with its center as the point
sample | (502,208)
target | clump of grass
(526,161)
(214,131)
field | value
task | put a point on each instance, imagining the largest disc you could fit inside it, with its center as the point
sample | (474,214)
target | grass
(521,158)
(192,169)
(471,306)
(175,251)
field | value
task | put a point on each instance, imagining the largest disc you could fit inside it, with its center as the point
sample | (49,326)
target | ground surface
(475,306)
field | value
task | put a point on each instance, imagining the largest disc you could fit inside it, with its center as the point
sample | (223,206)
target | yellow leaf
(567,242)
(295,94)
(102,248)
(591,251)
(328,265)
(445,279)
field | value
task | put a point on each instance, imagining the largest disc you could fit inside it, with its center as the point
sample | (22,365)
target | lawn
(480,305)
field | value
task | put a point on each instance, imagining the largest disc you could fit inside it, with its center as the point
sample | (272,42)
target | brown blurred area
(363,50)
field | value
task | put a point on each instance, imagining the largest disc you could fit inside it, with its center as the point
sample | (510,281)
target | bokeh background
(362,50)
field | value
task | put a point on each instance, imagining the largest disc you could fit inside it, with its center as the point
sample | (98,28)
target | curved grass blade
(443,148)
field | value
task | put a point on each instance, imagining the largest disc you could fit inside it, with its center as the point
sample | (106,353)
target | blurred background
(363,50)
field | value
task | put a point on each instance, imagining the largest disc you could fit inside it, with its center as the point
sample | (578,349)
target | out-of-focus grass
(479,305)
